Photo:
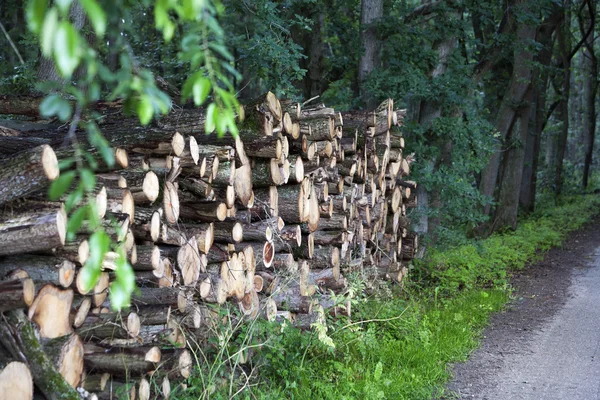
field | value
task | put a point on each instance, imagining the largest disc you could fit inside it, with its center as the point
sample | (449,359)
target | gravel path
(545,345)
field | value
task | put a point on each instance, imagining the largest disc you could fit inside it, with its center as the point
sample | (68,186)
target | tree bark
(538,111)
(370,12)
(590,89)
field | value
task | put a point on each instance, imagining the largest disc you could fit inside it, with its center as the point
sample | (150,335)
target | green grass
(403,348)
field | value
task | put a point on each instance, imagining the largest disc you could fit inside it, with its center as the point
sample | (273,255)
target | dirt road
(545,346)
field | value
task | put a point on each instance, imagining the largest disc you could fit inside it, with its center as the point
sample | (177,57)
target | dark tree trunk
(514,105)
(537,113)
(560,141)
(590,88)
(370,12)
(47,70)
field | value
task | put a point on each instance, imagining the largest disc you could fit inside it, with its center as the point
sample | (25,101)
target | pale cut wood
(27,172)
(16,381)
(50,311)
(171,203)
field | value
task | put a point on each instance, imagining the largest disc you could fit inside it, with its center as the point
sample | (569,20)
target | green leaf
(88,179)
(201,90)
(90,275)
(75,221)
(63,5)
(54,105)
(96,15)
(168,31)
(145,110)
(34,13)
(67,51)
(119,296)
(211,112)
(99,142)
(66,163)
(221,124)
(60,185)
(48,31)
(74,198)
(124,272)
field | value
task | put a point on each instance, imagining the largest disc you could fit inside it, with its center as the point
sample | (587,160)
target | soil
(552,297)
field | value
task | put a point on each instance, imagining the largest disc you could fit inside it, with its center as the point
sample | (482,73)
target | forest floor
(544,345)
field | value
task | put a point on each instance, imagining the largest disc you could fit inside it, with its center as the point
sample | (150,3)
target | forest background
(501,96)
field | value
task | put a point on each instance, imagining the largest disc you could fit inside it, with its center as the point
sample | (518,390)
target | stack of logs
(273,220)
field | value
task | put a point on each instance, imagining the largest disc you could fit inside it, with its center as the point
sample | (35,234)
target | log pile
(273,221)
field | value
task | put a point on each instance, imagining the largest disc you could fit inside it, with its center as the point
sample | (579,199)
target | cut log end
(237,232)
(122,158)
(50,163)
(178,144)
(50,311)
(151,186)
(70,363)
(171,203)
(16,381)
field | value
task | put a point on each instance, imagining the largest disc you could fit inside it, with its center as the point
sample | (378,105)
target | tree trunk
(519,86)
(590,89)
(538,111)
(370,12)
(560,141)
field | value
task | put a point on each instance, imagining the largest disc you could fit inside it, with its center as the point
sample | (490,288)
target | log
(293,202)
(263,252)
(27,172)
(121,361)
(15,294)
(204,212)
(265,147)
(330,238)
(266,203)
(289,299)
(41,269)
(33,231)
(228,232)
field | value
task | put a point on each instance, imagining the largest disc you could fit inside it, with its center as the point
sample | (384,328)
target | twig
(309,100)
(12,43)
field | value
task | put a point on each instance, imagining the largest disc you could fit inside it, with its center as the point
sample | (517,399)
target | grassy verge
(401,346)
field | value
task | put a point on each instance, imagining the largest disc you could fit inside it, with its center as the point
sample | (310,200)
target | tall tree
(562,86)
(514,105)
(370,12)
(517,109)
(587,21)
(538,110)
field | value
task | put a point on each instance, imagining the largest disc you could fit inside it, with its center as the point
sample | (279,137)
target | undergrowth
(400,346)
